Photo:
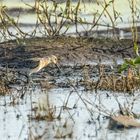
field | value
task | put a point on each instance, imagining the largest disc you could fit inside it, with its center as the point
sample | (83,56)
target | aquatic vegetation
(43,110)
(128,82)
(4,88)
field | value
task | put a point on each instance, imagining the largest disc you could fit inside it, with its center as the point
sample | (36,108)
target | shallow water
(80,117)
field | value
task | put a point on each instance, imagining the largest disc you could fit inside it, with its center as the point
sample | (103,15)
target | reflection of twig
(66,103)
(101,110)
(79,96)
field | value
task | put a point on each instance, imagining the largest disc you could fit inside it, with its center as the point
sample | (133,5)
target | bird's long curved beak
(58,67)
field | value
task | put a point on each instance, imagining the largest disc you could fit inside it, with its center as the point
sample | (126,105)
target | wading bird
(43,62)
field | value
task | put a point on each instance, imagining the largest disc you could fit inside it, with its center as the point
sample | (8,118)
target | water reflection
(76,121)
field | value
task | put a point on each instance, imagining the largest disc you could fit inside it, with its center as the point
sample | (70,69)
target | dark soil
(74,55)
(67,49)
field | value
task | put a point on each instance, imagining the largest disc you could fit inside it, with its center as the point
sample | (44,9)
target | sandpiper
(43,62)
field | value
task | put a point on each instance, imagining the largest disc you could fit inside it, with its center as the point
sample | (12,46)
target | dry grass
(128,82)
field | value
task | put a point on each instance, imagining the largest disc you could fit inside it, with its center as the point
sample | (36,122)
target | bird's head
(54,59)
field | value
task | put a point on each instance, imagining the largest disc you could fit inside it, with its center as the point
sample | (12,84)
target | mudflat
(67,49)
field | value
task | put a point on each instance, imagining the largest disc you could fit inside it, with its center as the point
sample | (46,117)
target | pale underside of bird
(43,62)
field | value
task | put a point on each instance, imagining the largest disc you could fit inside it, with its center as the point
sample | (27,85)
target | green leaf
(137,60)
(130,62)
(123,67)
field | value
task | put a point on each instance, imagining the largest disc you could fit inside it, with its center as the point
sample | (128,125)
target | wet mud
(80,60)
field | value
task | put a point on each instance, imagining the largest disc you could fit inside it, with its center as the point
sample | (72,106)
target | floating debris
(123,121)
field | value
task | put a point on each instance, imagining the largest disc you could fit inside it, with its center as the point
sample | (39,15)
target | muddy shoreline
(79,59)
(69,50)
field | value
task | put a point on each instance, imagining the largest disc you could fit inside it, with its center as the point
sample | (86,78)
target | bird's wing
(34,59)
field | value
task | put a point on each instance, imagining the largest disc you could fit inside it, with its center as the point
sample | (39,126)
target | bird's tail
(34,59)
